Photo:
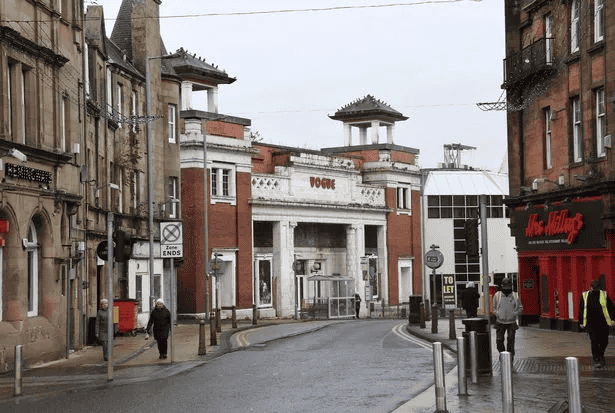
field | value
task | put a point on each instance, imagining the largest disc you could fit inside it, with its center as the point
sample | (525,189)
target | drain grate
(555,365)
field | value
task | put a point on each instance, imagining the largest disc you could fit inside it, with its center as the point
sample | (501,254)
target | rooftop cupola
(364,113)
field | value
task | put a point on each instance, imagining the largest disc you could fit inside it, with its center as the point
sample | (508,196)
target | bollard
(218,320)
(438,371)
(452,335)
(18,365)
(234,317)
(202,345)
(507,385)
(254,314)
(574,391)
(462,378)
(434,319)
(473,357)
(213,340)
(421,317)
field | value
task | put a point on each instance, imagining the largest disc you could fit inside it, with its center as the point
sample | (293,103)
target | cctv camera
(18,154)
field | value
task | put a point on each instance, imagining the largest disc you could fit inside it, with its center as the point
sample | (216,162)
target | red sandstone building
(279,216)
(560,82)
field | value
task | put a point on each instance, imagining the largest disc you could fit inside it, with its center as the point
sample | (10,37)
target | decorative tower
(365,113)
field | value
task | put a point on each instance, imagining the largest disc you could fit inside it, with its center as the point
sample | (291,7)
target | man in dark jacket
(597,314)
(469,300)
(101,328)
(160,320)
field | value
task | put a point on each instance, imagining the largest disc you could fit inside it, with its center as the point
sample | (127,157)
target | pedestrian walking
(160,322)
(101,327)
(596,315)
(357,303)
(469,300)
(507,307)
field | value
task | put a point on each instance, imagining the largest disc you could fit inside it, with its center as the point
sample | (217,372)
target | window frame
(222,183)
(32,250)
(548,33)
(577,130)
(575,26)
(598,20)
(600,121)
(173,193)
(172,122)
(548,138)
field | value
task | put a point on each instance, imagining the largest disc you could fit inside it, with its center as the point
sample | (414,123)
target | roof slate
(367,106)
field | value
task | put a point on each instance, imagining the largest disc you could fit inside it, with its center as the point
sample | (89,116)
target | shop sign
(575,225)
(27,174)
(324,183)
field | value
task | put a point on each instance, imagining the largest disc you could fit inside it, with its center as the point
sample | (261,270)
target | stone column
(212,99)
(375,137)
(362,135)
(383,264)
(186,95)
(347,134)
(283,286)
(390,130)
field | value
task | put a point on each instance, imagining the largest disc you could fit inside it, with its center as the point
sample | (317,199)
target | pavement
(539,373)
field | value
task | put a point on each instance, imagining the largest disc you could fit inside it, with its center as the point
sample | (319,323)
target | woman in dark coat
(160,320)
(469,300)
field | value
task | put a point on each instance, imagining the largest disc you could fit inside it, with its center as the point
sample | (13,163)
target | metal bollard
(451,325)
(462,378)
(234,317)
(254,318)
(18,376)
(218,320)
(438,371)
(202,345)
(434,319)
(574,391)
(213,340)
(473,357)
(507,385)
(421,317)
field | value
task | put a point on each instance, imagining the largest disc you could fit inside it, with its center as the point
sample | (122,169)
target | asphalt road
(354,366)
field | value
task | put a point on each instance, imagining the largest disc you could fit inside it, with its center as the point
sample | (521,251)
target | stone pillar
(282,284)
(383,264)
(186,95)
(212,99)
(347,134)
(390,130)
(375,137)
(362,135)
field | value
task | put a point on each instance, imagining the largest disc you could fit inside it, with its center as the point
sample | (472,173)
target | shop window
(32,247)
(264,282)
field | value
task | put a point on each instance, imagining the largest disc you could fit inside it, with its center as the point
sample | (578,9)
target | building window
(32,251)
(222,185)
(172,124)
(548,116)
(86,74)
(575,26)
(264,282)
(133,110)
(119,104)
(577,138)
(136,198)
(598,20)
(109,92)
(600,122)
(64,124)
(173,196)
(452,206)
(403,198)
(548,39)
(19,101)
(139,291)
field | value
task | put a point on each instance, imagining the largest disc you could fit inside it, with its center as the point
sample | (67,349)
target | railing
(531,60)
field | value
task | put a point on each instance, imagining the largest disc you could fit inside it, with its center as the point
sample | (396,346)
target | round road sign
(434,259)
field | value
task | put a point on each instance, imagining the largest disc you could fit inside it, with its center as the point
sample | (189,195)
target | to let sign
(448,292)
(171,240)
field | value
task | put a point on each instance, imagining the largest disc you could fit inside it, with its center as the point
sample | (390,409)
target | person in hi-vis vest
(597,314)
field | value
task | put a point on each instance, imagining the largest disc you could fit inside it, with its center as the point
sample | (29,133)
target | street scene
(318,206)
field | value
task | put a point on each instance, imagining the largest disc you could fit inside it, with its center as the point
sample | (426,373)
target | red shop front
(562,246)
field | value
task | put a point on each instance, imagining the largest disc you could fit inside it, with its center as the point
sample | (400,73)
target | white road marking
(401,332)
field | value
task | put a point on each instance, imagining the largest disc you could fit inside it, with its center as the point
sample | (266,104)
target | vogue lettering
(558,223)
(325,183)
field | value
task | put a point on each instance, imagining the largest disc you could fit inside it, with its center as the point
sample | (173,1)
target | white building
(450,197)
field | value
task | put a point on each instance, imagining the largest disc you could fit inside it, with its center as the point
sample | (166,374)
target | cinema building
(350,211)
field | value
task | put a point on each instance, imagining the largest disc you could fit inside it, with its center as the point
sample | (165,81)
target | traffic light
(470,231)
(122,248)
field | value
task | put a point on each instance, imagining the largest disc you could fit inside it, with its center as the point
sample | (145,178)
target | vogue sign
(325,183)
(572,225)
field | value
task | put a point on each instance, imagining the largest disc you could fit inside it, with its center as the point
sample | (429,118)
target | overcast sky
(430,60)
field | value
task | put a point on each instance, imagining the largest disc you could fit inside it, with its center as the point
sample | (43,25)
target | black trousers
(162,346)
(599,338)
(510,331)
(357,308)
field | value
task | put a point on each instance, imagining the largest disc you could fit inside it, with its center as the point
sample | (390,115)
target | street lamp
(150,181)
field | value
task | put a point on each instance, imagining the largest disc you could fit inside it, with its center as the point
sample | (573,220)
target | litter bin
(483,343)
(127,311)
(415,309)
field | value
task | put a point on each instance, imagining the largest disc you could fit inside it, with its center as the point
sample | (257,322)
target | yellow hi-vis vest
(602,304)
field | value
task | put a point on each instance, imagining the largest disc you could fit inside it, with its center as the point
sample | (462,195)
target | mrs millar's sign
(569,226)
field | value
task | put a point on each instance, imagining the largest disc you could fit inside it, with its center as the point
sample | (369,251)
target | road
(353,366)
